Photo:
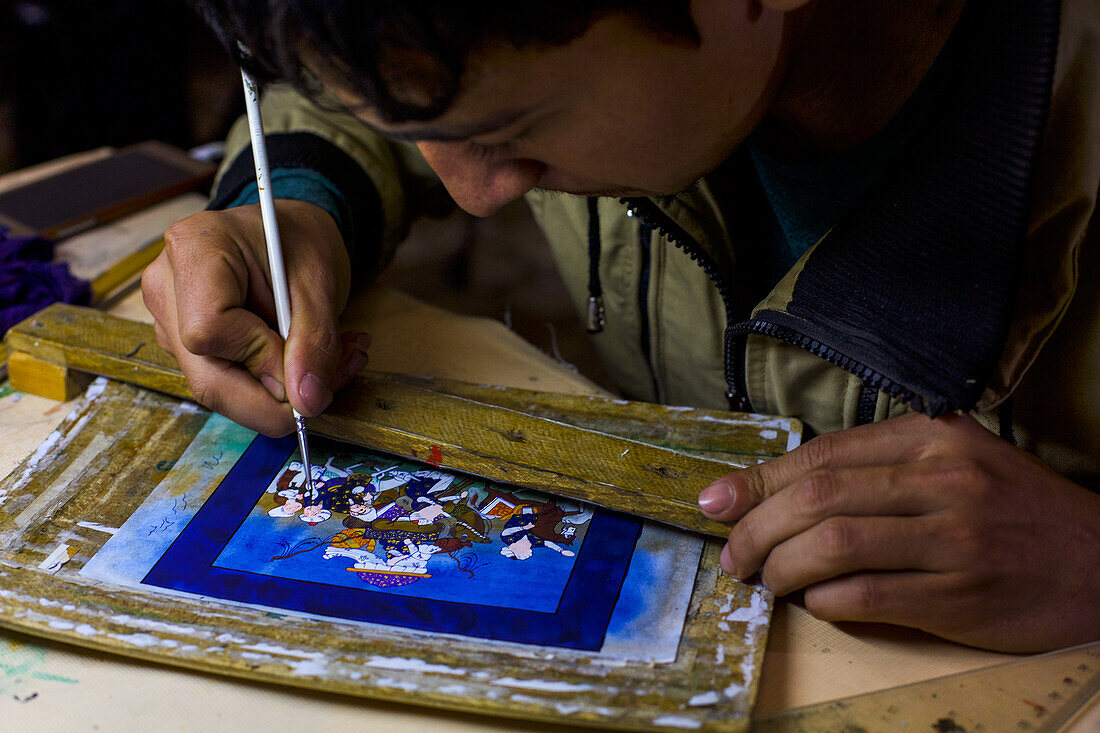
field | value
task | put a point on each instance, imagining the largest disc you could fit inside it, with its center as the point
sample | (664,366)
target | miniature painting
(388,541)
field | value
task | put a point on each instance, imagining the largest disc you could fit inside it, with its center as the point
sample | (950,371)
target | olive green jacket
(969,284)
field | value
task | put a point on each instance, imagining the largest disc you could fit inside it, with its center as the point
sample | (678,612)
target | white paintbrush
(274,249)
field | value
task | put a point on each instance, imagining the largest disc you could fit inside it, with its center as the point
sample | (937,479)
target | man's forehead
(498,90)
(444,129)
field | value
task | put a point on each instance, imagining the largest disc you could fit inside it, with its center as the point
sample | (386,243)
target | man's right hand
(210,293)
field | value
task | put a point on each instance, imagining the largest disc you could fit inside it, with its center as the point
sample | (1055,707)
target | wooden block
(52,381)
(124,271)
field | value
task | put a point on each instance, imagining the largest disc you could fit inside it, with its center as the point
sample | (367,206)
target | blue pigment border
(580,621)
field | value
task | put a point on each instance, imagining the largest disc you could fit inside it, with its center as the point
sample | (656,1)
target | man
(871,216)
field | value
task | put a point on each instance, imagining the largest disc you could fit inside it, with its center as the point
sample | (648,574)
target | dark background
(79,74)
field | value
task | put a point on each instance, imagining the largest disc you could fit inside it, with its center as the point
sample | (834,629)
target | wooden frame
(61,504)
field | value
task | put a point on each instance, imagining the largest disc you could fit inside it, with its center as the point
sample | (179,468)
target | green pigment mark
(20,663)
(11,670)
(53,678)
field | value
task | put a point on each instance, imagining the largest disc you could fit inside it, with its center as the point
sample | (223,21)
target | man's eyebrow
(453,133)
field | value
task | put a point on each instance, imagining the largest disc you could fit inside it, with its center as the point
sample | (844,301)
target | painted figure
(288,502)
(520,538)
(394,521)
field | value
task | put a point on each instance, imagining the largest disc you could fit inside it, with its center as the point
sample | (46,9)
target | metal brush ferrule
(307,464)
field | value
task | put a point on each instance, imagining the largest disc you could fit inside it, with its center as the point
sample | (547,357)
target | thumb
(319,283)
(733,495)
(312,359)
(876,444)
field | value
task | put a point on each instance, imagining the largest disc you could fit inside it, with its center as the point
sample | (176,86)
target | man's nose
(481,187)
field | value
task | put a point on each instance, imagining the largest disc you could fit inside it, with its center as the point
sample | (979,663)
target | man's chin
(608,192)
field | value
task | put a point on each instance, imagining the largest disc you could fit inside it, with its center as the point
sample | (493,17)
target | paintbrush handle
(267,205)
(275,262)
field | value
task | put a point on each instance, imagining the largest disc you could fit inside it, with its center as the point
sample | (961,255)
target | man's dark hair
(380,49)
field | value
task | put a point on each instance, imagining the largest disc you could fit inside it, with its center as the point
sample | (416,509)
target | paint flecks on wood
(720,650)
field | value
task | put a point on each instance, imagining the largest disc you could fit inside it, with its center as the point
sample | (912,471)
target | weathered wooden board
(112,257)
(564,445)
(112,451)
(734,437)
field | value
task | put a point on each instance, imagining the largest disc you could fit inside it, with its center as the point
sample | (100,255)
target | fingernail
(274,386)
(727,562)
(362,342)
(716,498)
(314,393)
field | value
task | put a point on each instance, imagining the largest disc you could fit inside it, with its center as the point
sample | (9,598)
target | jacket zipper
(650,214)
(737,332)
(870,378)
(645,232)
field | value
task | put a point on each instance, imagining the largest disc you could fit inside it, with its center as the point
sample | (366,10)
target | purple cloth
(29,281)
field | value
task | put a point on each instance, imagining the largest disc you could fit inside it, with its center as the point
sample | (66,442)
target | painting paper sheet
(389,541)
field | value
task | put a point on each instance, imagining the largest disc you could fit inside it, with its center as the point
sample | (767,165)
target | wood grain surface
(599,451)
(116,447)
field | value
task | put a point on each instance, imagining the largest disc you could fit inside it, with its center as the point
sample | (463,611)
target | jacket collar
(914,290)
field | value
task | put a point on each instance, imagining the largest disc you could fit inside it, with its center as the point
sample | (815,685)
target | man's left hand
(935,524)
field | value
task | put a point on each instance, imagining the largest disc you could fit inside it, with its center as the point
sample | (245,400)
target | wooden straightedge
(642,459)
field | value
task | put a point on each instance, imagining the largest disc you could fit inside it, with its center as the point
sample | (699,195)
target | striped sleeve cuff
(306,167)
